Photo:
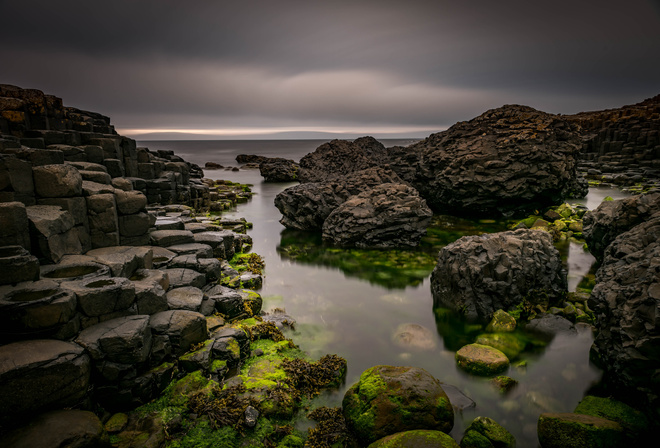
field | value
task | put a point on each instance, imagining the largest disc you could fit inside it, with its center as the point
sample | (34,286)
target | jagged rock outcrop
(477,275)
(385,216)
(277,169)
(625,301)
(612,218)
(338,158)
(306,206)
(508,160)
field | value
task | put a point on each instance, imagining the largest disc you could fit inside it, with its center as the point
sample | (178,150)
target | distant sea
(224,152)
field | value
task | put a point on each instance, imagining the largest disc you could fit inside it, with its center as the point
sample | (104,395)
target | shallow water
(348,306)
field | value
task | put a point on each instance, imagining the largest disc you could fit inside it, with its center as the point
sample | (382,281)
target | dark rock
(479,275)
(53,235)
(625,302)
(36,310)
(123,260)
(74,268)
(57,181)
(338,158)
(385,216)
(185,277)
(212,166)
(612,218)
(185,298)
(97,297)
(251,416)
(17,265)
(306,206)
(279,170)
(387,400)
(182,328)
(130,202)
(250,158)
(213,239)
(56,429)
(487,428)
(549,325)
(165,238)
(41,374)
(197,249)
(14,225)
(508,160)
(125,340)
(227,301)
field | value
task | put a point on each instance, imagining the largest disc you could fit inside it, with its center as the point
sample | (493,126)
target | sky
(263,68)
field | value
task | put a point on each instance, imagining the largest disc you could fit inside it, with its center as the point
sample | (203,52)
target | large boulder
(125,340)
(340,157)
(14,225)
(625,301)
(387,400)
(182,328)
(64,428)
(279,170)
(41,374)
(53,235)
(386,216)
(480,274)
(57,181)
(306,206)
(612,218)
(578,430)
(507,160)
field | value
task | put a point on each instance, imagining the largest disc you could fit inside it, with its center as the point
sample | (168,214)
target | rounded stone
(185,298)
(57,181)
(416,439)
(414,336)
(482,360)
(389,399)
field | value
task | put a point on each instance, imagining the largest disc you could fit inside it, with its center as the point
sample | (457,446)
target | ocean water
(346,302)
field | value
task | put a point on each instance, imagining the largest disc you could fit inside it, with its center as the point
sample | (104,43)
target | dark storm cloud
(266,63)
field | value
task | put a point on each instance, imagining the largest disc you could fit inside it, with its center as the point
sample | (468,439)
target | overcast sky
(368,67)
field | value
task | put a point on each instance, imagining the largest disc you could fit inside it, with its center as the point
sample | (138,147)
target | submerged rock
(507,160)
(388,399)
(386,216)
(478,275)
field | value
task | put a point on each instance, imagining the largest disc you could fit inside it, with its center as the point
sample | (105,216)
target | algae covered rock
(389,399)
(485,432)
(502,322)
(420,438)
(632,420)
(578,431)
(482,360)
(508,343)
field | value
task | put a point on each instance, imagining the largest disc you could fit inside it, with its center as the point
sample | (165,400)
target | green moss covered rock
(507,343)
(388,400)
(578,431)
(634,421)
(482,360)
(416,439)
(485,432)
(502,322)
(504,383)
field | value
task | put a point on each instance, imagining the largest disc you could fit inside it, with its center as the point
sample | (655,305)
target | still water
(351,303)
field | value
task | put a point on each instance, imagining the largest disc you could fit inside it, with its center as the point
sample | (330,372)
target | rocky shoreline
(128,311)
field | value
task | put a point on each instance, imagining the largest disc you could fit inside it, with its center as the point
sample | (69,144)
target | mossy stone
(482,360)
(630,418)
(565,210)
(390,399)
(291,441)
(419,438)
(502,322)
(578,431)
(116,423)
(493,432)
(507,343)
(504,383)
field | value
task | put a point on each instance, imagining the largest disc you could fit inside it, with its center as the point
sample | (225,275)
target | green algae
(630,418)
(508,343)
(421,438)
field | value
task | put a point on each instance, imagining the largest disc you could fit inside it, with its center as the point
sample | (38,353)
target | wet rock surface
(375,406)
(478,275)
(277,169)
(386,216)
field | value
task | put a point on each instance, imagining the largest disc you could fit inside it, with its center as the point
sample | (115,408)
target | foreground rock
(306,206)
(625,302)
(484,431)
(612,218)
(387,400)
(338,158)
(386,216)
(478,275)
(578,430)
(507,160)
(418,438)
(66,428)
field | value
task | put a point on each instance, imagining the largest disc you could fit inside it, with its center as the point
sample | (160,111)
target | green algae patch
(504,384)
(508,343)
(578,430)
(116,423)
(630,418)
(486,428)
(203,435)
(419,438)
(481,360)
